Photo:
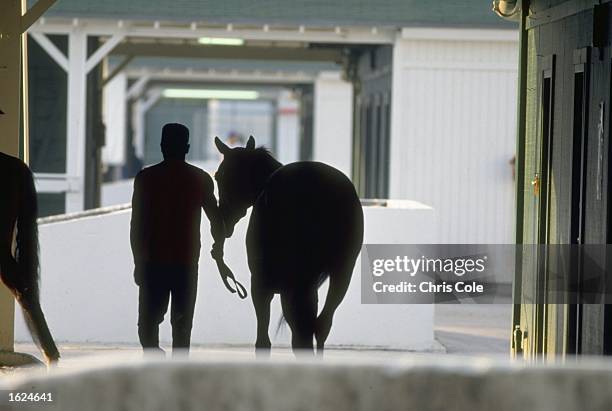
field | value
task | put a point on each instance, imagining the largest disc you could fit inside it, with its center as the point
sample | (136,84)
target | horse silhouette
(306,226)
(18,210)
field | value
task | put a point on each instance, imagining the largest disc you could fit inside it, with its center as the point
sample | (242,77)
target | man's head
(175,141)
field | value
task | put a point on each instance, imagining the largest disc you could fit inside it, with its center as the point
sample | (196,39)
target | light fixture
(507,9)
(211,94)
(221,41)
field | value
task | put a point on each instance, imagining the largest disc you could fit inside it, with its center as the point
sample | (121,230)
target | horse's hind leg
(339,281)
(261,301)
(300,311)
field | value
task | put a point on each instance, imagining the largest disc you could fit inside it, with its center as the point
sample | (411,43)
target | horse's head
(240,178)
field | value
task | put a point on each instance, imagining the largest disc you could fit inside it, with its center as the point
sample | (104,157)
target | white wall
(453,129)
(333,121)
(88,292)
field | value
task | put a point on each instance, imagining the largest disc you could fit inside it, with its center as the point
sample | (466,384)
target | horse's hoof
(263,352)
(52,360)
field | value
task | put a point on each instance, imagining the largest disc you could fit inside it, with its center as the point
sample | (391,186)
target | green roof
(400,13)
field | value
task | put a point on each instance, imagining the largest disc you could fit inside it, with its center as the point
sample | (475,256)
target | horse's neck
(268,169)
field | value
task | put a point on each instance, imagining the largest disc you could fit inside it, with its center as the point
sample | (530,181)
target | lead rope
(226,275)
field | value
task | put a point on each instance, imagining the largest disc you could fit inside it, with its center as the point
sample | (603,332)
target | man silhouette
(165,237)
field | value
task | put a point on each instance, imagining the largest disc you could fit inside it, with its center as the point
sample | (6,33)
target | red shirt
(166,212)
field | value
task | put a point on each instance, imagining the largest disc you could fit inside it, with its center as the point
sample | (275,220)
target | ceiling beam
(176,30)
(216,76)
(228,52)
(51,49)
(103,51)
(117,69)
(34,13)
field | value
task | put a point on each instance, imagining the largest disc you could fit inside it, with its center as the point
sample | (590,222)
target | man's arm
(217,227)
(136,230)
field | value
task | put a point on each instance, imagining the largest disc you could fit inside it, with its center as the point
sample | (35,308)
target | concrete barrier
(419,384)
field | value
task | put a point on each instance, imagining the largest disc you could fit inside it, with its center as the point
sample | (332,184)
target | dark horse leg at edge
(306,226)
(19,271)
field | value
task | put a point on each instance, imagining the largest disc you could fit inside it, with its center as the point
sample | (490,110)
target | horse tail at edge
(29,266)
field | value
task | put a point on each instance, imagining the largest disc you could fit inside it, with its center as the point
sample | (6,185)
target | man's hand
(217,251)
(217,226)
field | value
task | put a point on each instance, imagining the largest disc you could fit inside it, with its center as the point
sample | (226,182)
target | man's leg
(184,291)
(152,306)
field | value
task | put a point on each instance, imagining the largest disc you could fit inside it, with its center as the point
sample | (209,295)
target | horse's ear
(221,146)
(251,143)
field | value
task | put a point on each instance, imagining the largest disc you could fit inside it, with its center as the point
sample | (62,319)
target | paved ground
(474,329)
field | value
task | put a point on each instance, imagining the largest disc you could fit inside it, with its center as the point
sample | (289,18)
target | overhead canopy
(400,13)
(225,64)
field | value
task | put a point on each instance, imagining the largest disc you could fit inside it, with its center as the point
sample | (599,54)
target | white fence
(89,295)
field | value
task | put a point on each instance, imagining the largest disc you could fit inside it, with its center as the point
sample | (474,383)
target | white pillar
(141,107)
(114,151)
(79,65)
(77,99)
(213,113)
(287,128)
(214,118)
(138,125)
(397,140)
(333,121)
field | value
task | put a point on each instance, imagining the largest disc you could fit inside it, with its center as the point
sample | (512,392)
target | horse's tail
(37,325)
(281,321)
(28,263)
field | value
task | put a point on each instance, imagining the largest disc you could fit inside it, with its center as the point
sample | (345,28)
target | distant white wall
(453,129)
(333,121)
(88,293)
(117,192)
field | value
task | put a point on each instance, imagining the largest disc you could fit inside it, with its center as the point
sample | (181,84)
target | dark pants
(159,282)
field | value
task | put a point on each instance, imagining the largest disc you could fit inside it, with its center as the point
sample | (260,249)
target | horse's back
(313,191)
(12,171)
(309,214)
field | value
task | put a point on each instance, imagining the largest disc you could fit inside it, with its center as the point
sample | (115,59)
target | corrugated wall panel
(456,107)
